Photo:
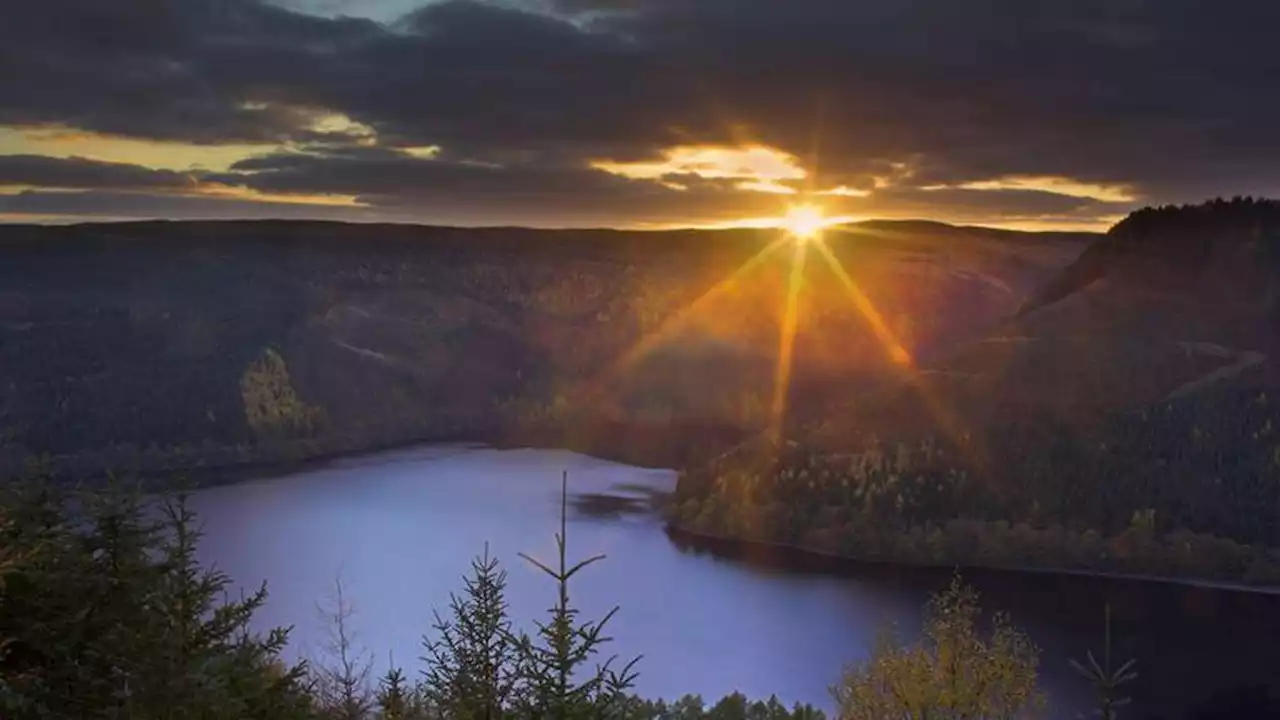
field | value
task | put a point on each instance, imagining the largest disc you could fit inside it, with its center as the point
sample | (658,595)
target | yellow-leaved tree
(953,672)
(271,405)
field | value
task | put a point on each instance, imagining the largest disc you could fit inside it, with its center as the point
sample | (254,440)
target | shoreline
(650,445)
(616,448)
(740,546)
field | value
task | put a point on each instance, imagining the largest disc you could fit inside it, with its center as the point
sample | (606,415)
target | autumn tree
(953,672)
(271,405)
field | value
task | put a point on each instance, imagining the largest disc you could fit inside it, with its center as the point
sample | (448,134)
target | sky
(1033,114)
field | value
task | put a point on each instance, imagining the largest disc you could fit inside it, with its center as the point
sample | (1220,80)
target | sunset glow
(804,222)
(64,143)
(900,359)
(638,126)
(751,163)
(1065,186)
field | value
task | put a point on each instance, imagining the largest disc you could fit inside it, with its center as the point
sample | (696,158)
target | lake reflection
(400,529)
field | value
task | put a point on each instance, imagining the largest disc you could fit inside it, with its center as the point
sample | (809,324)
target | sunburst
(804,222)
(803,227)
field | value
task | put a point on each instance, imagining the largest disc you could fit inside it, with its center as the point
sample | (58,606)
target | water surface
(400,528)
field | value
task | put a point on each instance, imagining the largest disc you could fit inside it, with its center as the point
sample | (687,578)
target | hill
(1123,419)
(165,346)
(1171,302)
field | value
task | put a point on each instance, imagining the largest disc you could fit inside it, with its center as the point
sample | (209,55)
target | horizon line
(709,228)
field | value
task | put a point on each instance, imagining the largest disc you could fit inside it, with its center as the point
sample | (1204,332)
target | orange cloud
(1101,223)
(1055,184)
(156,154)
(756,168)
(766,186)
(242,193)
(845,191)
(752,163)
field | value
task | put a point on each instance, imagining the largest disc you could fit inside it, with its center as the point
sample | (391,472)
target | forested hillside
(162,347)
(1122,397)
(1126,420)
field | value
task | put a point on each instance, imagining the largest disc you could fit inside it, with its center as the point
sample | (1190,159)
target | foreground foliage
(105,613)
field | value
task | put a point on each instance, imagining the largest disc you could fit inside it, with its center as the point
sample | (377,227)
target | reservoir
(400,529)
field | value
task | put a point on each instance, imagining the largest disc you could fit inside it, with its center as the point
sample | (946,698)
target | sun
(804,222)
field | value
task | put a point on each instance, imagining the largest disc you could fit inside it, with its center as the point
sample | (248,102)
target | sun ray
(946,420)
(897,353)
(786,341)
(671,325)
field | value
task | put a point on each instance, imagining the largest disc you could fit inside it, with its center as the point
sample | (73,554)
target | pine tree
(204,657)
(42,600)
(1106,681)
(10,560)
(553,666)
(470,664)
(107,615)
(102,653)
(397,698)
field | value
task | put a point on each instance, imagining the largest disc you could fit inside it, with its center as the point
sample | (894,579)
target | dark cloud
(650,207)
(390,173)
(1171,97)
(138,205)
(425,188)
(42,171)
(392,185)
(206,71)
(975,206)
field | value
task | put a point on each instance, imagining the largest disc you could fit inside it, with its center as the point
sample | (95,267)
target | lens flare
(804,222)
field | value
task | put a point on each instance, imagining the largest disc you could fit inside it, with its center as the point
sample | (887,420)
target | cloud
(712,162)
(425,187)
(1048,184)
(766,186)
(204,71)
(369,184)
(845,191)
(101,204)
(578,108)
(48,172)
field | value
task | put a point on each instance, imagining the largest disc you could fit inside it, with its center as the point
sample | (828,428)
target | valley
(127,346)
(1070,402)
